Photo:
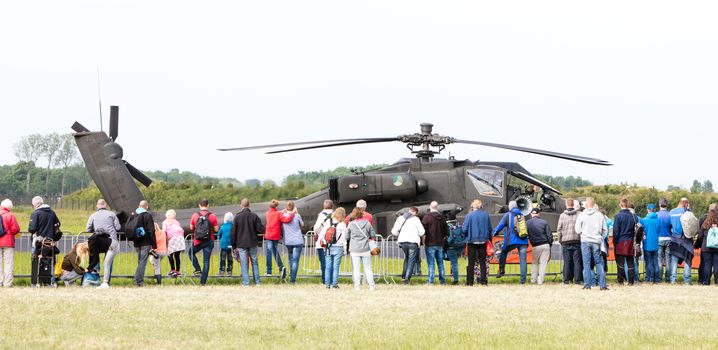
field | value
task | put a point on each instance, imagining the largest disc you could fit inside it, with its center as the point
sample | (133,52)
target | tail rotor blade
(138,175)
(114,121)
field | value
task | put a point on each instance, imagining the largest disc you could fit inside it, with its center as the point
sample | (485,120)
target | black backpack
(202,228)
(2,227)
(131,227)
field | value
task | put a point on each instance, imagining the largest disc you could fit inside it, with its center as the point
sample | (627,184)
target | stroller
(43,263)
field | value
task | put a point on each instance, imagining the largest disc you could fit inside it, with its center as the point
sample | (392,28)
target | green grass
(73,221)
(394,317)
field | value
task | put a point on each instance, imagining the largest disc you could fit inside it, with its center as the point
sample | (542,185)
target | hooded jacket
(43,222)
(567,227)
(477,226)
(225,235)
(245,229)
(507,224)
(591,226)
(359,232)
(436,229)
(9,222)
(652,229)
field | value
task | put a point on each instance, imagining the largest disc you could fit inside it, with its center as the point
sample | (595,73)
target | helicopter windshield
(487,181)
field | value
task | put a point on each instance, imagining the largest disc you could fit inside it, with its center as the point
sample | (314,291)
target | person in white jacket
(591,227)
(409,230)
(324,220)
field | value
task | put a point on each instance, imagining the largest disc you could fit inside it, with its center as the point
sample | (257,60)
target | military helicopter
(389,191)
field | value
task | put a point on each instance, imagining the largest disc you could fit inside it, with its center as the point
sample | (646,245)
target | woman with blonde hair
(175,242)
(72,270)
(335,248)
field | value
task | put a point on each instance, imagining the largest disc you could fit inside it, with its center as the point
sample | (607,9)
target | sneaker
(604,288)
(177,274)
(587,287)
(171,273)
(197,274)
(221,274)
(268,274)
(455,283)
(335,287)
(283,273)
(229,274)
(104,286)
(501,274)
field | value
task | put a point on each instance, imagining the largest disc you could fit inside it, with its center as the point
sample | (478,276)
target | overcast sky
(632,82)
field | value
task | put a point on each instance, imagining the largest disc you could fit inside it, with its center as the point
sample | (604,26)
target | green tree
(707,187)
(28,151)
(697,187)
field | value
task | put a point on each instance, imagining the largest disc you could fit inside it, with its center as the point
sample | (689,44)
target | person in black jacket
(143,244)
(709,256)
(44,226)
(434,239)
(541,239)
(623,237)
(245,229)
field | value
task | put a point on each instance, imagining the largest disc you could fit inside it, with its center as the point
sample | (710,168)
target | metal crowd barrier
(386,266)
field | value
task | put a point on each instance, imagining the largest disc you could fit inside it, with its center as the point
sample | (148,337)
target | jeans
(70,277)
(206,248)
(522,259)
(453,255)
(571,262)
(621,262)
(333,261)
(476,251)
(7,266)
(225,260)
(664,259)
(109,260)
(435,256)
(321,254)
(271,249)
(356,271)
(686,270)
(653,273)
(143,253)
(710,267)
(411,251)
(588,251)
(294,252)
(541,256)
(244,254)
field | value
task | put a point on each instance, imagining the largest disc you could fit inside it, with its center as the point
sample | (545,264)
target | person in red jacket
(204,224)
(273,234)
(7,243)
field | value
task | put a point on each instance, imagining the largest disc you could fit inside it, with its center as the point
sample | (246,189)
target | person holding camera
(103,224)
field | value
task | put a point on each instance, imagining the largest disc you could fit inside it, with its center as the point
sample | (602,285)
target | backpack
(520,227)
(330,236)
(689,223)
(133,229)
(457,236)
(712,238)
(2,227)
(202,227)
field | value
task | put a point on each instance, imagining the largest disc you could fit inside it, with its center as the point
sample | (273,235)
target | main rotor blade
(300,143)
(114,119)
(138,175)
(538,151)
(337,144)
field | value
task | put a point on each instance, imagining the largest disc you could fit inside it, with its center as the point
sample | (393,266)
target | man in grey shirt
(103,224)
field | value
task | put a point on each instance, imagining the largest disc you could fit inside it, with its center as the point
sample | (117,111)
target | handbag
(637,252)
(489,248)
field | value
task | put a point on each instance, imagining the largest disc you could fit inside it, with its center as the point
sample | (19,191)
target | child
(225,244)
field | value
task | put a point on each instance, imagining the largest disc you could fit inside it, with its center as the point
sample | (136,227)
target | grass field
(394,317)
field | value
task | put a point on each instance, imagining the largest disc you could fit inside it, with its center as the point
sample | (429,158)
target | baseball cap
(651,206)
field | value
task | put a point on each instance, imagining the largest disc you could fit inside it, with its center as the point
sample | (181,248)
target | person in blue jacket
(664,241)
(651,229)
(512,241)
(477,226)
(225,245)
(676,234)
